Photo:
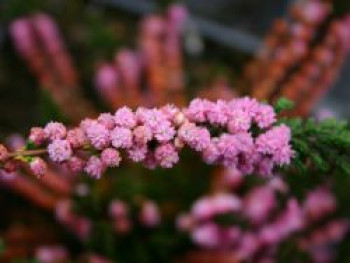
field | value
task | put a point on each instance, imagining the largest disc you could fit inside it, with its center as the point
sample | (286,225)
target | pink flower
(197,109)
(196,137)
(265,166)
(138,153)
(75,164)
(149,214)
(37,135)
(275,142)
(258,204)
(3,153)
(76,138)
(164,131)
(239,121)
(95,167)
(124,117)
(118,209)
(59,150)
(265,116)
(51,254)
(107,120)
(246,104)
(211,153)
(206,236)
(225,203)
(38,167)
(319,203)
(55,130)
(217,113)
(150,117)
(233,178)
(202,208)
(121,137)
(142,134)
(110,157)
(166,155)
(98,135)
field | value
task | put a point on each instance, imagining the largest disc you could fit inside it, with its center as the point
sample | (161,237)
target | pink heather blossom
(118,209)
(233,178)
(319,203)
(225,203)
(95,167)
(38,167)
(59,150)
(265,166)
(265,116)
(206,235)
(124,117)
(37,135)
(150,117)
(75,164)
(166,155)
(164,131)
(149,214)
(239,121)
(196,137)
(202,208)
(292,219)
(227,146)
(121,137)
(196,111)
(110,157)
(107,120)
(258,204)
(275,142)
(211,153)
(179,119)
(137,153)
(170,111)
(98,135)
(55,130)
(76,138)
(3,152)
(246,104)
(84,124)
(142,134)
(217,113)
(51,254)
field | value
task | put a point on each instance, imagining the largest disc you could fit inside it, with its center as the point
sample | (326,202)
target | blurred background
(67,60)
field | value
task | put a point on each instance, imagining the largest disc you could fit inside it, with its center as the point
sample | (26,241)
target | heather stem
(27,153)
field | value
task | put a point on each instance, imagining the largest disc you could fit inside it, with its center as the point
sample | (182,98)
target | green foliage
(283,104)
(322,148)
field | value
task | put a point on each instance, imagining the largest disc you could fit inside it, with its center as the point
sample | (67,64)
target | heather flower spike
(241,133)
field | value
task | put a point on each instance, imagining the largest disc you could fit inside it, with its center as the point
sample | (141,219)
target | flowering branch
(240,133)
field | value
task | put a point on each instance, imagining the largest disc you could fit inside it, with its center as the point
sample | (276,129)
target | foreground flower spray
(240,133)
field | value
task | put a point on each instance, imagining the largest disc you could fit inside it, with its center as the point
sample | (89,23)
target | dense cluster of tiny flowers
(241,133)
(261,220)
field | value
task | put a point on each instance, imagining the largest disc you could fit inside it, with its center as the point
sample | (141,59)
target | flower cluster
(238,133)
(148,215)
(254,223)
